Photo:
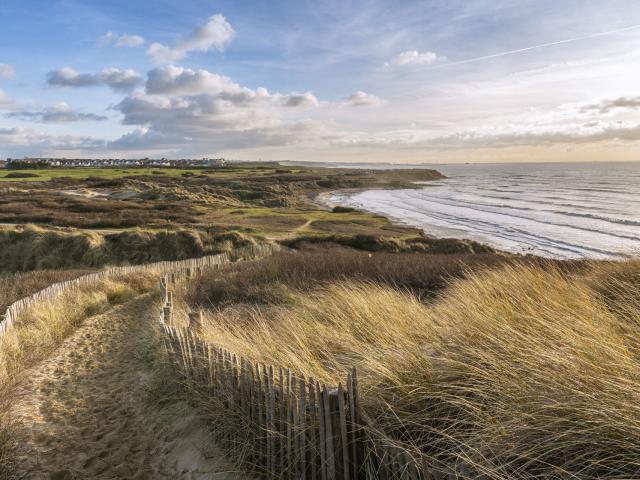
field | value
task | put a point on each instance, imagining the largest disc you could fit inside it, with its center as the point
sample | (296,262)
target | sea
(559,210)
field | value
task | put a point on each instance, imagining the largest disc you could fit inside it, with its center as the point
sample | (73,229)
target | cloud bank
(189,109)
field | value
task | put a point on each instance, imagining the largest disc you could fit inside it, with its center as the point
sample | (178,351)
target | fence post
(167,312)
(302,427)
(354,428)
(195,321)
(336,427)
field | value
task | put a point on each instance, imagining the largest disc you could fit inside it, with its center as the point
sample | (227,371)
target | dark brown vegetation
(380,243)
(21,175)
(268,280)
(15,287)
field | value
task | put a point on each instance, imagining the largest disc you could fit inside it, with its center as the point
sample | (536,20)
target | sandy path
(84,413)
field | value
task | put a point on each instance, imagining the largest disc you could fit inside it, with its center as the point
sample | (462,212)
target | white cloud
(172,80)
(7,71)
(362,99)
(213,35)
(120,40)
(412,57)
(58,113)
(116,79)
(607,106)
(197,110)
(301,100)
(119,79)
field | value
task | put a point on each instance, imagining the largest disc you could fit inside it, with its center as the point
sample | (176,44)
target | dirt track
(85,412)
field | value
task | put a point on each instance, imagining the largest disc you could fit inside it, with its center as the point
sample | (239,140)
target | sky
(430,81)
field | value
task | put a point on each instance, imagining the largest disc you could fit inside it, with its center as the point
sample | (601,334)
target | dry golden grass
(521,371)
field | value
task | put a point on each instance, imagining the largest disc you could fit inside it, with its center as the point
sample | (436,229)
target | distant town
(30,162)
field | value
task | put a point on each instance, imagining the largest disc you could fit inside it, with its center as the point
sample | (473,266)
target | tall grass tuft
(518,371)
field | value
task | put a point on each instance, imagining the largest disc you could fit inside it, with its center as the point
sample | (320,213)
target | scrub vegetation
(98,217)
(505,368)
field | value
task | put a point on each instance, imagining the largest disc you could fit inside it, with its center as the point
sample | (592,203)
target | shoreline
(323,201)
(558,249)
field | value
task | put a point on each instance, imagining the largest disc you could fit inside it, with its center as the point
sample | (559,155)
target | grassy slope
(519,371)
(34,248)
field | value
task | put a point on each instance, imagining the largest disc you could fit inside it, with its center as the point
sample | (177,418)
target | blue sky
(409,81)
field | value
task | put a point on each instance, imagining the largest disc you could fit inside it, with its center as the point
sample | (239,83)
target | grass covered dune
(513,370)
(31,247)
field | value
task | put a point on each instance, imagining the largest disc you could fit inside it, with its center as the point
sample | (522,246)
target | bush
(340,209)
(35,248)
(21,165)
(375,243)
(263,281)
(21,175)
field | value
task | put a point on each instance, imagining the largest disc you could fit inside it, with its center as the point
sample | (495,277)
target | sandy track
(84,413)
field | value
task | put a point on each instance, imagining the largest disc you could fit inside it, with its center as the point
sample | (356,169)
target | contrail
(534,47)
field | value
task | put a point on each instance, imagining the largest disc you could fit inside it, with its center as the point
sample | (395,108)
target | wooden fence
(286,425)
(14,310)
(279,423)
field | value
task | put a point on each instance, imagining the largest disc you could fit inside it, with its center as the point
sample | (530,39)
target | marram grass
(514,372)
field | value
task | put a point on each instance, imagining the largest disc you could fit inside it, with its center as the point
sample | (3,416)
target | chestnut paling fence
(277,422)
(13,312)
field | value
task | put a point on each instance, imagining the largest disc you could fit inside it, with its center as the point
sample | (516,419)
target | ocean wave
(619,221)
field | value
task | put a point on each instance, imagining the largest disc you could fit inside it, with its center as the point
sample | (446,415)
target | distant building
(29,162)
